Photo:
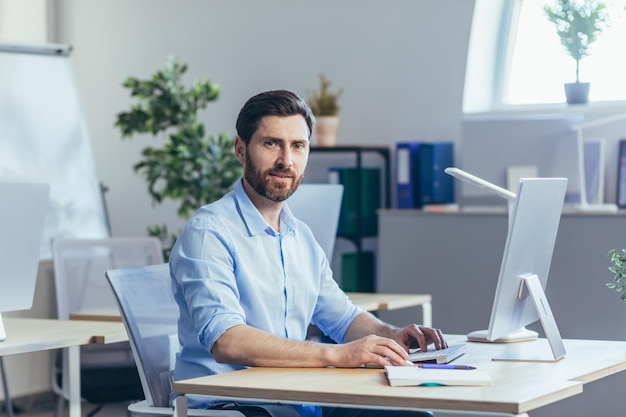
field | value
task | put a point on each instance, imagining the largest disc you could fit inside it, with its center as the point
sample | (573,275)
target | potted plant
(618,259)
(189,166)
(578,24)
(325,107)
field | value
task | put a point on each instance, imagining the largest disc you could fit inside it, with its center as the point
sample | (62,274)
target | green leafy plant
(618,259)
(190,166)
(324,103)
(578,24)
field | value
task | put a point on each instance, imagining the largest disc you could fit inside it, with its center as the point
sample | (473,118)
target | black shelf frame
(359,151)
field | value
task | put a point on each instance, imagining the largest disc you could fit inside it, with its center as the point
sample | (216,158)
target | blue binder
(435,186)
(407,161)
(420,176)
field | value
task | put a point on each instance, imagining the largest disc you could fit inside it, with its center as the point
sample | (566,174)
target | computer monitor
(23,208)
(534,217)
(319,206)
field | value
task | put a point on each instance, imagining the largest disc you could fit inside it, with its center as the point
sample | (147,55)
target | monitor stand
(531,352)
(520,335)
(3,334)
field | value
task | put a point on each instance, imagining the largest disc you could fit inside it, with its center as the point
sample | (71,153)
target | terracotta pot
(326,130)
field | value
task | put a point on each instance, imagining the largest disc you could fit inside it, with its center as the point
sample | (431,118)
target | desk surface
(32,335)
(378,301)
(367,301)
(25,335)
(518,386)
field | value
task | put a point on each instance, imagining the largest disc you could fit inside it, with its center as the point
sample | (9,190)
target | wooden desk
(519,387)
(33,335)
(107,314)
(380,301)
(367,301)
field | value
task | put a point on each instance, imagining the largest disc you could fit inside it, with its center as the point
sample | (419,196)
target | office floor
(46,406)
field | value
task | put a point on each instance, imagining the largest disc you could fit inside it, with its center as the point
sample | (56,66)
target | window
(529,63)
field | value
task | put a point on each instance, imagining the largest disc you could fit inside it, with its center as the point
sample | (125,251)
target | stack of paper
(413,375)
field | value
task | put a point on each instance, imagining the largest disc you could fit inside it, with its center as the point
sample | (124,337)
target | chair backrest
(79,266)
(150,314)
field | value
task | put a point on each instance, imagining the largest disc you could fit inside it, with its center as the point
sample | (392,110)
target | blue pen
(444,366)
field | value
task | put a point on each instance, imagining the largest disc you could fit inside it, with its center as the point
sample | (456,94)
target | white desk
(33,335)
(519,387)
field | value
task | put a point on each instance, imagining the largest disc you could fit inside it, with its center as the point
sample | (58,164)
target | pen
(444,366)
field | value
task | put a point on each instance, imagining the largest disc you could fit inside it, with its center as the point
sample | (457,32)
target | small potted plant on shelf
(325,107)
(578,24)
(189,166)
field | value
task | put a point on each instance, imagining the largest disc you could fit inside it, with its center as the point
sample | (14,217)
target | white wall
(401,64)
(23,21)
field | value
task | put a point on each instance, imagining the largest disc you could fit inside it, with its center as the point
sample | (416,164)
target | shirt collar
(253,219)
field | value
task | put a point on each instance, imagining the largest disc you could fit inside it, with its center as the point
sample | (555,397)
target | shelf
(360,271)
(358,151)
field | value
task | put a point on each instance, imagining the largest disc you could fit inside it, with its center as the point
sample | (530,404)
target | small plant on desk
(618,259)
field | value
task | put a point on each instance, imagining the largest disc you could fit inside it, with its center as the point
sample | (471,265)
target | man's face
(275,159)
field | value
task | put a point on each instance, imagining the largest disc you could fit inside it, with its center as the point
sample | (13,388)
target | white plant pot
(326,130)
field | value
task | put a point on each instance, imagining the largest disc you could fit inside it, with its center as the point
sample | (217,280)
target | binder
(351,207)
(420,176)
(407,160)
(357,272)
(435,186)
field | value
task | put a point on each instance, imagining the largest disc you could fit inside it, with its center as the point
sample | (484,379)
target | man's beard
(262,184)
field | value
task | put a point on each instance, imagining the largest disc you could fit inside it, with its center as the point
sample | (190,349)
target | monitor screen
(323,218)
(520,299)
(23,208)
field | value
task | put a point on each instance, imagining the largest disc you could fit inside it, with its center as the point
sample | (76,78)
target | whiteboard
(43,138)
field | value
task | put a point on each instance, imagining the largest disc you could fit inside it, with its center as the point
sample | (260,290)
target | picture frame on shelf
(621,175)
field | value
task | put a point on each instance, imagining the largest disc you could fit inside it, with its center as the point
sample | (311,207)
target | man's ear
(240,149)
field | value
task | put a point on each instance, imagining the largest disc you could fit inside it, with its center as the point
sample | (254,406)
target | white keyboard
(440,356)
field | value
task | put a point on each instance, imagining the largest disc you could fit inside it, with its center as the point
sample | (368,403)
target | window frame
(493,30)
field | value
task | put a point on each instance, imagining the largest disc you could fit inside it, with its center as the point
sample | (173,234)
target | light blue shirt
(230,267)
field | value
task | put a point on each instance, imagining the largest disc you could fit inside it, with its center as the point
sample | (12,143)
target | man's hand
(413,336)
(371,350)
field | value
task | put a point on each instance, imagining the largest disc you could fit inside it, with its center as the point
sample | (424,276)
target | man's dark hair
(271,103)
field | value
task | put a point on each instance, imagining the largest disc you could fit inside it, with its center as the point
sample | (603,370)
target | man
(249,277)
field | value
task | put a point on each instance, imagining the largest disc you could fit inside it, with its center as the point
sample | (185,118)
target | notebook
(318,205)
(400,376)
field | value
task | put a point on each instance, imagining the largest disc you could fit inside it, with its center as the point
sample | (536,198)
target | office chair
(150,315)
(108,372)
